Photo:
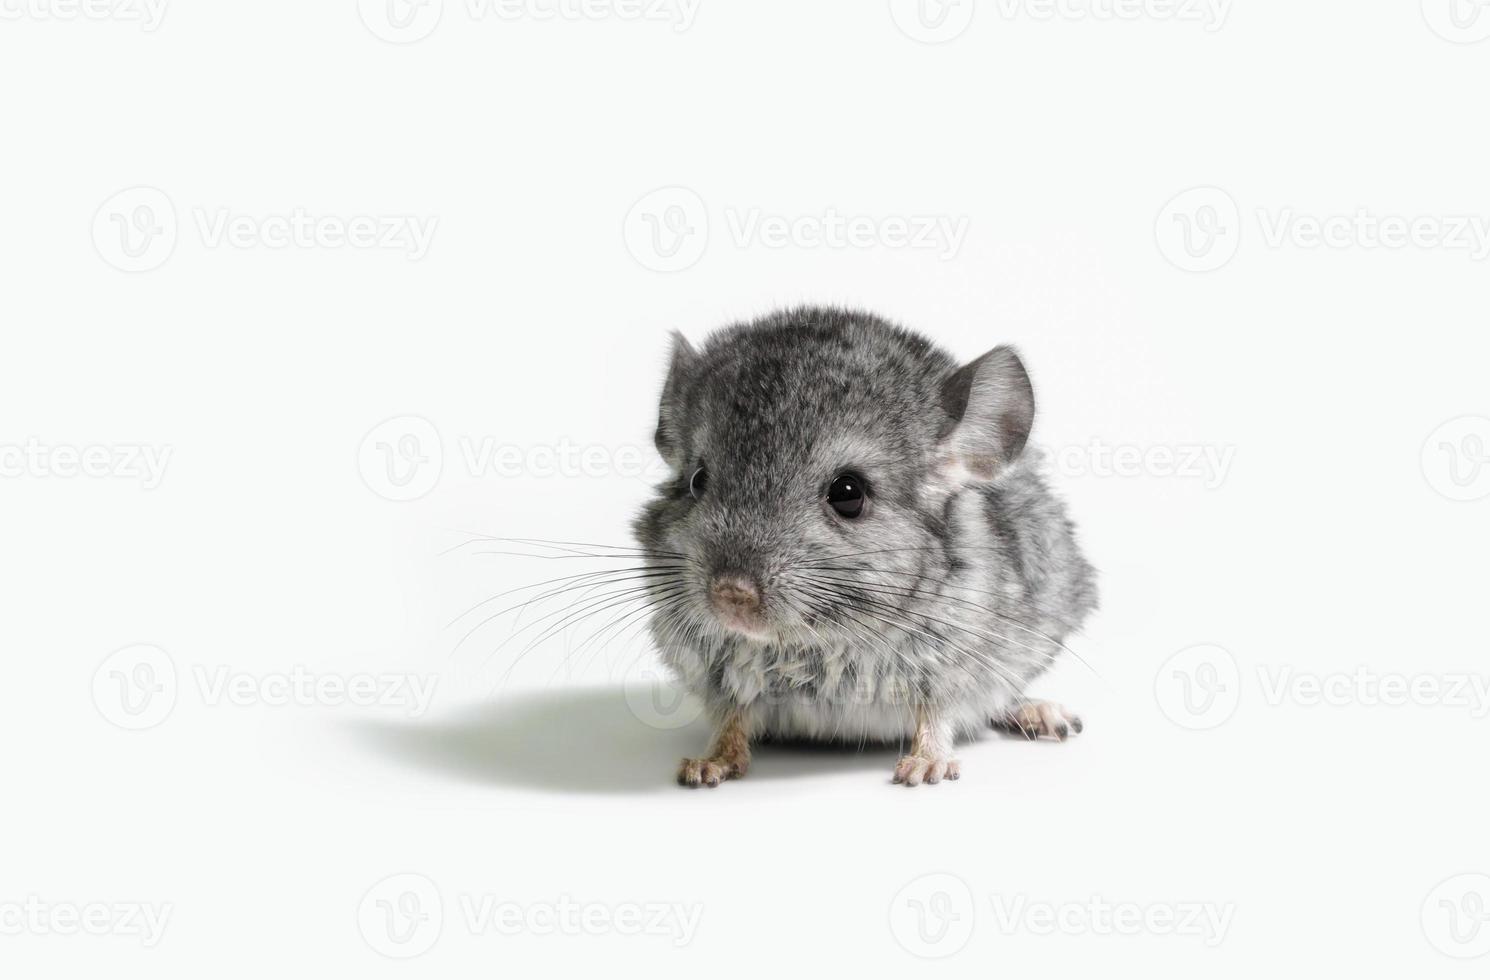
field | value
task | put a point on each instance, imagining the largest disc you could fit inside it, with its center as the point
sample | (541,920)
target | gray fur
(973,577)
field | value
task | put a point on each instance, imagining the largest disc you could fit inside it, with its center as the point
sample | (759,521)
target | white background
(537,319)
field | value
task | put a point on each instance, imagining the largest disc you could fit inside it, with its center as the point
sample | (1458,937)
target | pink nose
(735,597)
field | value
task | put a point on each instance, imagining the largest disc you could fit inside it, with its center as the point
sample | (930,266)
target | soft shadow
(589,740)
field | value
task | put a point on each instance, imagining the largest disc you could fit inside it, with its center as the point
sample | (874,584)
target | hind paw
(1040,718)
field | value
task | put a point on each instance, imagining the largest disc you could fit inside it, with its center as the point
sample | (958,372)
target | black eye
(698,483)
(846,495)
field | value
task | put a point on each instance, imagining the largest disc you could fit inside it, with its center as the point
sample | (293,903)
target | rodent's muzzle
(736,600)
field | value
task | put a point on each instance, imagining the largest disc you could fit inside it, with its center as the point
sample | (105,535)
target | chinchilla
(855,543)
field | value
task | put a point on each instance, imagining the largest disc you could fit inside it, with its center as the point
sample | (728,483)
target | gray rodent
(854,544)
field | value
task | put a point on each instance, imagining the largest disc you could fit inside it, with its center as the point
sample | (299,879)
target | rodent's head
(812,446)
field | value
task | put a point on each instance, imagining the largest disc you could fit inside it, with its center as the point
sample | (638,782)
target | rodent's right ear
(669,435)
(990,407)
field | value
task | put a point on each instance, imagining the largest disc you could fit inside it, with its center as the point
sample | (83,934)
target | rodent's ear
(990,407)
(669,425)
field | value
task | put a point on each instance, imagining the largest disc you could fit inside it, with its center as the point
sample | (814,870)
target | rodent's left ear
(669,423)
(990,406)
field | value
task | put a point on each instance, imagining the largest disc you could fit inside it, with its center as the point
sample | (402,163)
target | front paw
(913,770)
(709,772)
(1035,719)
